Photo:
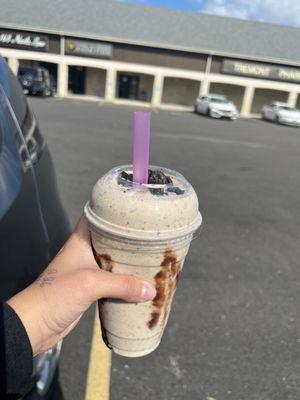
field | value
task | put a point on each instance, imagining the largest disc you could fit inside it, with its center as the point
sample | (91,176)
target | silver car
(282,113)
(216,106)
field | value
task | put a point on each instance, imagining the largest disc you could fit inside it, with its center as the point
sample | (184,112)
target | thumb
(125,287)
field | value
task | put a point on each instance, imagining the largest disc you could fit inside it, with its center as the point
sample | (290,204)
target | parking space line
(98,377)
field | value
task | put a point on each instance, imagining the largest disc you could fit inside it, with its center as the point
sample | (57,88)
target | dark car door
(23,233)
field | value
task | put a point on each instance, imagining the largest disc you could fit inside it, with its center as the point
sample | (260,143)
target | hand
(52,306)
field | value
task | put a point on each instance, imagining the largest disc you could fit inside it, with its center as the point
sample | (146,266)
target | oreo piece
(157,191)
(157,177)
(176,190)
(127,177)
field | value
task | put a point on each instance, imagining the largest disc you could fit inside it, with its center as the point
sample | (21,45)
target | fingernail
(148,291)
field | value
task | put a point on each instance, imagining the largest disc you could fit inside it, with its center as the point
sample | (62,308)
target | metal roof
(153,26)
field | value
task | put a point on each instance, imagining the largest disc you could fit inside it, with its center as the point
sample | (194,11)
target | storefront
(149,75)
(132,86)
(267,96)
(179,91)
(86,81)
(51,67)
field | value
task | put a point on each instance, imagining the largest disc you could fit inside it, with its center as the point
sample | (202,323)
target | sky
(285,12)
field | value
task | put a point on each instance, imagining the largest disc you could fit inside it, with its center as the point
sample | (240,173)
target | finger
(82,229)
(124,287)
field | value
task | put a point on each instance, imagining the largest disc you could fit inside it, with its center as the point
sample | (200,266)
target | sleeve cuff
(18,363)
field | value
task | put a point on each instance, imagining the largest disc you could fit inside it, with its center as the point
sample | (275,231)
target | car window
(218,100)
(27,71)
(13,90)
(22,111)
(287,108)
(0,141)
(10,163)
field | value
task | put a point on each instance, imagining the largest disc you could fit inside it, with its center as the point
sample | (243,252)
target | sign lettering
(261,71)
(88,48)
(23,41)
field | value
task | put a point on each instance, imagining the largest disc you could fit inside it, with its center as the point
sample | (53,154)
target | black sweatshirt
(16,360)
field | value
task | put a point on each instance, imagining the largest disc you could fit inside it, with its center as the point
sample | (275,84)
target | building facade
(153,75)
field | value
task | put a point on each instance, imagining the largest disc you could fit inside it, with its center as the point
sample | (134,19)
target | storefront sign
(88,49)
(261,71)
(23,41)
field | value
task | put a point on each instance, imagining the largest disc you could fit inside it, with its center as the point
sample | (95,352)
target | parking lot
(234,330)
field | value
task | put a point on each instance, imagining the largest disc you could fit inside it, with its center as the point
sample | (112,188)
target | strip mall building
(133,54)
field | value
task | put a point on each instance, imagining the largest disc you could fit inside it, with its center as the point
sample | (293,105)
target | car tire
(277,120)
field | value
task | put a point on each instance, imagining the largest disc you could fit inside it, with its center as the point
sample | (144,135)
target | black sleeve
(16,360)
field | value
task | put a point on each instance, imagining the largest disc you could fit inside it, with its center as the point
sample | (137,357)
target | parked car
(33,223)
(35,81)
(216,106)
(282,113)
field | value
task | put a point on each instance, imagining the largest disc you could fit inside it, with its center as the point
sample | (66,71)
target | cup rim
(99,225)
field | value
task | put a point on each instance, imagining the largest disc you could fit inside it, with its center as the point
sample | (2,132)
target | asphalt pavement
(234,330)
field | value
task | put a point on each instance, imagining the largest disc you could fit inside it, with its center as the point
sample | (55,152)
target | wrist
(28,316)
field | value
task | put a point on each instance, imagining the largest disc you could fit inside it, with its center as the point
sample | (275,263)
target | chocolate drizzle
(104,261)
(166,281)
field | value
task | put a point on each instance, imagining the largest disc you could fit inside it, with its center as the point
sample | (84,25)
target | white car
(216,106)
(282,113)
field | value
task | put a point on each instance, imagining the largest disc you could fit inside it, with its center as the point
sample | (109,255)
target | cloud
(277,11)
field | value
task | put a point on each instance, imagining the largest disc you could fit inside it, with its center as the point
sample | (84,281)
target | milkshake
(141,230)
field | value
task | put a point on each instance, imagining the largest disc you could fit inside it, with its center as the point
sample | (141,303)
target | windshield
(287,108)
(31,71)
(218,100)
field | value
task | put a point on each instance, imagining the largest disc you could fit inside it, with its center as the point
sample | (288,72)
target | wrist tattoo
(47,277)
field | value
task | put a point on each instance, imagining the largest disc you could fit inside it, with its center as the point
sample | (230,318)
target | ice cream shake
(143,230)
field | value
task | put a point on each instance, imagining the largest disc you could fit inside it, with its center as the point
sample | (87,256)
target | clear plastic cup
(145,231)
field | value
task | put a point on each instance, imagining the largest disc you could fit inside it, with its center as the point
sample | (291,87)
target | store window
(87,81)
(135,86)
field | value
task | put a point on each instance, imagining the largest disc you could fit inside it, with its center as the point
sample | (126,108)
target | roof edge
(150,44)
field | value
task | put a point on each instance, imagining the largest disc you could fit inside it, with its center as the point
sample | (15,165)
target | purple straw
(141,146)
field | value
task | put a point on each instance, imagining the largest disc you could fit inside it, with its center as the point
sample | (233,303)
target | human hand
(53,305)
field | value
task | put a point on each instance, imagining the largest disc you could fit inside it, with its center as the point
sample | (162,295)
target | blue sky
(285,12)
